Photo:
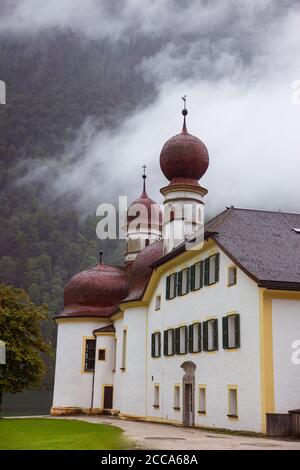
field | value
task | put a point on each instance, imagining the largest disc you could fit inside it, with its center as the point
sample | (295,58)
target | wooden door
(108,397)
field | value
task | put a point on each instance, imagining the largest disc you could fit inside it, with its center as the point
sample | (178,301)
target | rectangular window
(169,342)
(171,286)
(176,397)
(232,401)
(196,276)
(156,344)
(157,302)
(183,280)
(101,355)
(89,357)
(124,348)
(202,399)
(195,338)
(232,276)
(211,269)
(231,331)
(156,396)
(181,340)
(210,335)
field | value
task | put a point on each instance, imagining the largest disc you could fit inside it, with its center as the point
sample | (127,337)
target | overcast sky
(235,59)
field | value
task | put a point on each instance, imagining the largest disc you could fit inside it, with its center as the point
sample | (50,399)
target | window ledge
(155,406)
(232,349)
(233,416)
(176,408)
(201,412)
(123,369)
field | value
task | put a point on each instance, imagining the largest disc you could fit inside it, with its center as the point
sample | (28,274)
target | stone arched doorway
(188,393)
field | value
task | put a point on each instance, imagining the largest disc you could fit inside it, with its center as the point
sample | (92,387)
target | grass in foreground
(59,434)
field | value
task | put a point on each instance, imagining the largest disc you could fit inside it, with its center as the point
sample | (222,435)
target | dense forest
(54,82)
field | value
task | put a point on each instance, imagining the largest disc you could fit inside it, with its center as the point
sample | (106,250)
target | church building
(192,334)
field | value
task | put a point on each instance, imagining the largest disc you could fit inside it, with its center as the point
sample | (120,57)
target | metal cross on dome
(184,101)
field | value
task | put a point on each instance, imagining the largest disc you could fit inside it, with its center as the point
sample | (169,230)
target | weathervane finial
(144,177)
(184,113)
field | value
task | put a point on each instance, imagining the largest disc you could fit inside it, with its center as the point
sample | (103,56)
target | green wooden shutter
(177,341)
(205,336)
(179,283)
(225,332)
(201,273)
(186,343)
(168,288)
(173,343)
(159,344)
(188,280)
(199,337)
(153,345)
(191,338)
(165,343)
(206,271)
(237,331)
(192,277)
(217,273)
(215,335)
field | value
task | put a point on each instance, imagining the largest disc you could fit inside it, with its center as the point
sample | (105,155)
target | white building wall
(217,369)
(132,381)
(103,369)
(118,375)
(286,330)
(72,386)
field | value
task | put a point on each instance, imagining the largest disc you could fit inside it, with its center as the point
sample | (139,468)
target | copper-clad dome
(152,216)
(140,270)
(184,157)
(95,292)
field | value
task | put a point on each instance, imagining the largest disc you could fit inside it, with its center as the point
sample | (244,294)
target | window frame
(124,350)
(178,340)
(166,342)
(180,291)
(193,287)
(168,286)
(177,407)
(155,354)
(230,268)
(156,399)
(207,268)
(202,387)
(102,350)
(191,337)
(87,339)
(205,335)
(231,388)
(157,303)
(237,331)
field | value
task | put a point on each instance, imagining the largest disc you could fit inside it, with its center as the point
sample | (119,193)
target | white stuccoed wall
(103,369)
(72,388)
(286,329)
(217,369)
(130,385)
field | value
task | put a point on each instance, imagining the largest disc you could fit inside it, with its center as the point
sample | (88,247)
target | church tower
(144,223)
(184,160)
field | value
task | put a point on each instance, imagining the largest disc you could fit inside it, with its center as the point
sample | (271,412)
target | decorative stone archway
(188,393)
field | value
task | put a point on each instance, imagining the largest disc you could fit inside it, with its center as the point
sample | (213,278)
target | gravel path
(166,437)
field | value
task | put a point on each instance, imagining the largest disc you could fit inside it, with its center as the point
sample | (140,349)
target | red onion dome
(96,291)
(140,270)
(184,156)
(151,217)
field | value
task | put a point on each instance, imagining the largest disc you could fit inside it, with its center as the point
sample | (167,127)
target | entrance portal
(188,395)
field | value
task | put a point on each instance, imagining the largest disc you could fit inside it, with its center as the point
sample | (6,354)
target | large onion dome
(184,158)
(95,292)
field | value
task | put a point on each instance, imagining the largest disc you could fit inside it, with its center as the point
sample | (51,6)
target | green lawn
(60,434)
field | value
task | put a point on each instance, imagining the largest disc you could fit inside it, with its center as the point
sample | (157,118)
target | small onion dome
(184,157)
(139,272)
(95,292)
(148,212)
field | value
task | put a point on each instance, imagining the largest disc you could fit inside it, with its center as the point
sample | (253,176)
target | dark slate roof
(263,244)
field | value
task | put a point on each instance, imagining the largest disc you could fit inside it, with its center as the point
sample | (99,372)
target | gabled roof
(263,244)
(105,329)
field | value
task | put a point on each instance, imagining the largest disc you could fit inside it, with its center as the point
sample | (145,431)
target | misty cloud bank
(236,60)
